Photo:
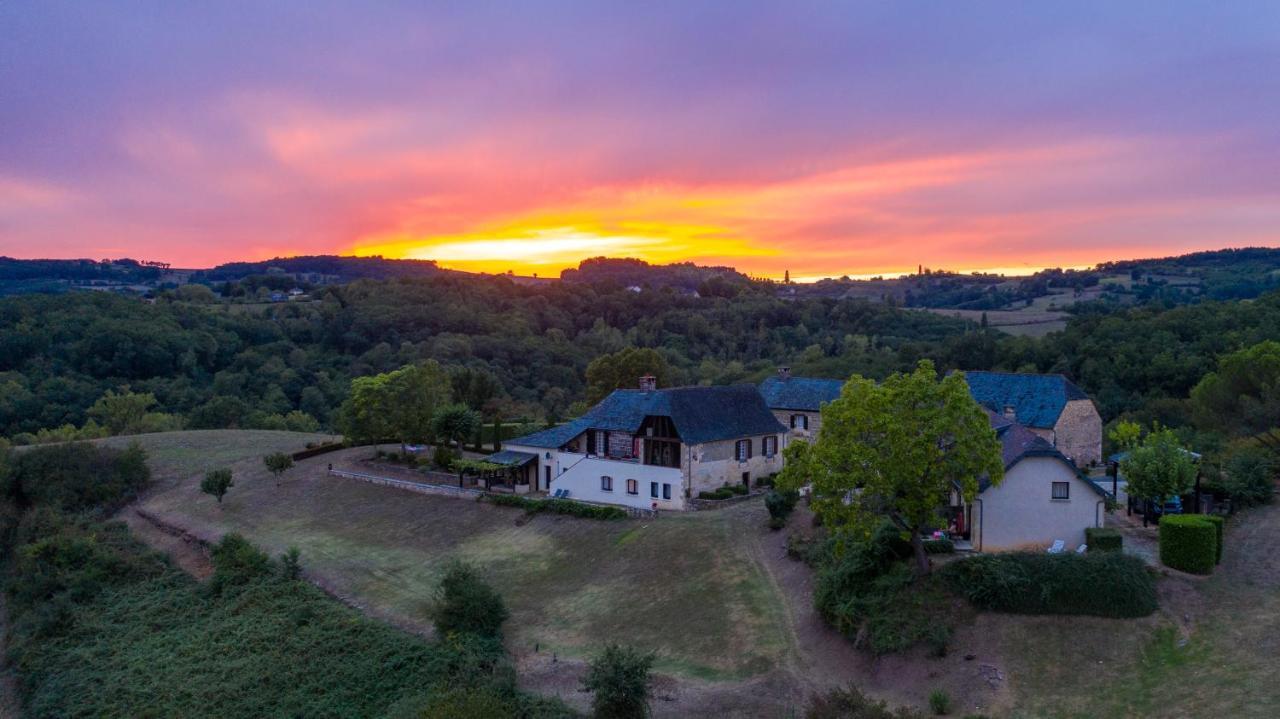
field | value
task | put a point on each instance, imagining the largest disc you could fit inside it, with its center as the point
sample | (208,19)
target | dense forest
(521,352)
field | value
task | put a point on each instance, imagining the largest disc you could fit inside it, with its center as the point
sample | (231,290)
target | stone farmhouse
(651,448)
(797,401)
(1050,405)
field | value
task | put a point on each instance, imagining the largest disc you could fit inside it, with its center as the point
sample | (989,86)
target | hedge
(1105,584)
(1219,524)
(1103,539)
(557,506)
(1188,542)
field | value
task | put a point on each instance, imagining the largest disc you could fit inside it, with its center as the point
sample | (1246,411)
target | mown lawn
(681,585)
(1211,653)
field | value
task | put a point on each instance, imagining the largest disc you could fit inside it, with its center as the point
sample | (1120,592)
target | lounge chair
(1082,549)
(1058,546)
(556,494)
(564,494)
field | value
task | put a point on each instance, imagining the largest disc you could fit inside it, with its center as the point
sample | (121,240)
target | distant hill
(24,276)
(322,269)
(630,272)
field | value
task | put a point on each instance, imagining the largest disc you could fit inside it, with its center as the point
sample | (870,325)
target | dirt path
(822,659)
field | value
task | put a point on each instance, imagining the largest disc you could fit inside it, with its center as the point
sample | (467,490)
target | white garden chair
(1058,546)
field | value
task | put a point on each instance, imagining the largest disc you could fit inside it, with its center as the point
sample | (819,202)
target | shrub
(444,457)
(466,604)
(1103,539)
(878,604)
(1188,543)
(237,562)
(1219,526)
(619,679)
(781,504)
(75,476)
(724,492)
(1248,475)
(739,489)
(558,506)
(776,523)
(1106,584)
(939,546)
(290,564)
(852,704)
(939,702)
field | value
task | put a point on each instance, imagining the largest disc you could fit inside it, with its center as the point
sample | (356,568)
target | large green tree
(1242,398)
(623,369)
(896,451)
(123,412)
(401,404)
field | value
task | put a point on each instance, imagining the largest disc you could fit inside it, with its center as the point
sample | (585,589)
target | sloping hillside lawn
(683,585)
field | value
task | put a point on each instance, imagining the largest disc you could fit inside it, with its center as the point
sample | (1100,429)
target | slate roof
(1017,442)
(1037,399)
(700,414)
(510,458)
(806,394)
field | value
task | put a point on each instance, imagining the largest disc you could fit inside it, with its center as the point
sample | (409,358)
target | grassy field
(1029,322)
(682,586)
(691,587)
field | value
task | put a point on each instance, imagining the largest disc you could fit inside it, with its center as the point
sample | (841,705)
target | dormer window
(800,421)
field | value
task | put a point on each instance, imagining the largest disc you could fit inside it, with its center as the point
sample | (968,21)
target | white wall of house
(1021,513)
(583,481)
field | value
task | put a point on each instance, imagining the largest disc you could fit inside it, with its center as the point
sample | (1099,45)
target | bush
(75,477)
(939,702)
(1103,539)
(738,489)
(466,604)
(237,562)
(939,546)
(724,492)
(570,507)
(852,704)
(776,523)
(1188,542)
(871,597)
(1248,476)
(619,679)
(1219,526)
(781,504)
(1106,584)
(444,457)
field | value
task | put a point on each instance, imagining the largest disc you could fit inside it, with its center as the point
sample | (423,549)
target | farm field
(714,594)
(1027,322)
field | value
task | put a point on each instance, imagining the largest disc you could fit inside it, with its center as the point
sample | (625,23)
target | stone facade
(815,423)
(1078,433)
(714,464)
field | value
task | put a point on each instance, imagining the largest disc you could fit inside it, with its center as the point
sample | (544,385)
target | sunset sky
(820,138)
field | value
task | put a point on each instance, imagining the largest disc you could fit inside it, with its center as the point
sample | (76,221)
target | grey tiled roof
(700,414)
(1037,399)
(1017,442)
(801,393)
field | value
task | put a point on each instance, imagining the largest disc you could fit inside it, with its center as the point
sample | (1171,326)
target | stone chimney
(1010,412)
(784,372)
(648,383)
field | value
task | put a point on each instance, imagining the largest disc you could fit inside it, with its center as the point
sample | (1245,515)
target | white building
(653,448)
(1043,498)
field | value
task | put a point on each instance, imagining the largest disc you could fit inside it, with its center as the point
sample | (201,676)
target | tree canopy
(1159,467)
(896,450)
